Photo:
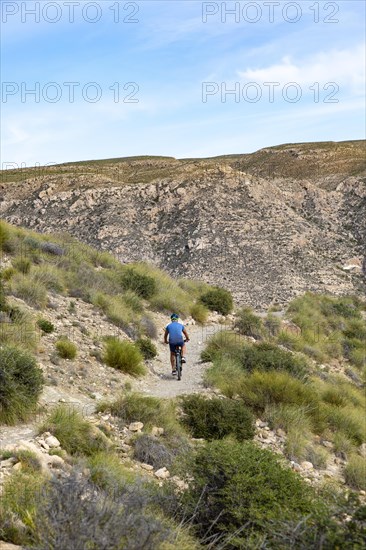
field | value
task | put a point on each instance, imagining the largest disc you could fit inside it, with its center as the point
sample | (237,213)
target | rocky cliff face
(268,226)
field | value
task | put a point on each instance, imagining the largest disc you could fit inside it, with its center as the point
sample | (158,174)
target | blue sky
(296,69)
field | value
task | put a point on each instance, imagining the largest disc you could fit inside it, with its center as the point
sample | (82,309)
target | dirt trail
(159,384)
(168,385)
(50,397)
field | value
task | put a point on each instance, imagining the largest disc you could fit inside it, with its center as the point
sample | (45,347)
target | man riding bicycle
(176,333)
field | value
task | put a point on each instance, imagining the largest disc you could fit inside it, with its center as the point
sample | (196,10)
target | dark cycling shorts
(173,346)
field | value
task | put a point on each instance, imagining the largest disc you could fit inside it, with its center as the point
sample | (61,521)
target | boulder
(55,461)
(157,431)
(305,465)
(147,467)
(162,473)
(135,426)
(52,442)
(9,546)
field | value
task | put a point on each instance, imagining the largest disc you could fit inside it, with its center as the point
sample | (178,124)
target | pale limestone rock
(136,426)
(9,546)
(52,442)
(55,461)
(162,473)
(147,467)
(157,431)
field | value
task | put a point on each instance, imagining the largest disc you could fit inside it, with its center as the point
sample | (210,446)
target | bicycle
(178,361)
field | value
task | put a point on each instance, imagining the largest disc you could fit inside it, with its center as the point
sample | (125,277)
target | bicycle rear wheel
(178,363)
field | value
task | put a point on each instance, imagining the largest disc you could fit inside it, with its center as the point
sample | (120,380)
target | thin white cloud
(340,66)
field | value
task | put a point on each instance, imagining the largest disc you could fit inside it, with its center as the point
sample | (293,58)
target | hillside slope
(268,226)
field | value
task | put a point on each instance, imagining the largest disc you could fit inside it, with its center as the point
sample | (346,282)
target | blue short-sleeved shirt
(175,330)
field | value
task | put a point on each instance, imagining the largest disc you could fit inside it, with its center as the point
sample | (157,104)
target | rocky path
(50,397)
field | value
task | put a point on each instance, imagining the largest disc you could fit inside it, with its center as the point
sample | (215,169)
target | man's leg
(183,353)
(172,360)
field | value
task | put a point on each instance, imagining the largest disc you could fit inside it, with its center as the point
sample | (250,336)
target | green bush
(147,348)
(226,375)
(4,234)
(272,325)
(160,451)
(118,312)
(20,330)
(199,313)
(142,285)
(8,273)
(325,528)
(355,472)
(265,356)
(356,329)
(289,417)
(3,306)
(78,515)
(76,435)
(29,290)
(331,327)
(217,418)
(133,301)
(20,498)
(235,488)
(50,276)
(148,327)
(223,344)
(21,264)
(261,389)
(21,382)
(124,356)
(358,357)
(107,472)
(248,323)
(46,326)
(66,349)
(218,299)
(349,420)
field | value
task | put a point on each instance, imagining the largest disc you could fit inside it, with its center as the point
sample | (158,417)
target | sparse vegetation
(124,356)
(355,472)
(76,435)
(199,313)
(135,407)
(66,349)
(217,418)
(17,328)
(237,485)
(29,290)
(21,382)
(160,452)
(331,327)
(248,323)
(147,348)
(4,235)
(46,326)
(21,264)
(19,500)
(141,284)
(218,299)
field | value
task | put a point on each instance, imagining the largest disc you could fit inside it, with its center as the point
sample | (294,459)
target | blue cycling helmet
(174,317)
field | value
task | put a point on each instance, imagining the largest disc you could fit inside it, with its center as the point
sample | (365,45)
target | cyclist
(176,333)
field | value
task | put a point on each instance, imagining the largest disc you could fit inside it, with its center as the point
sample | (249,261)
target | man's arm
(185,334)
(166,336)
